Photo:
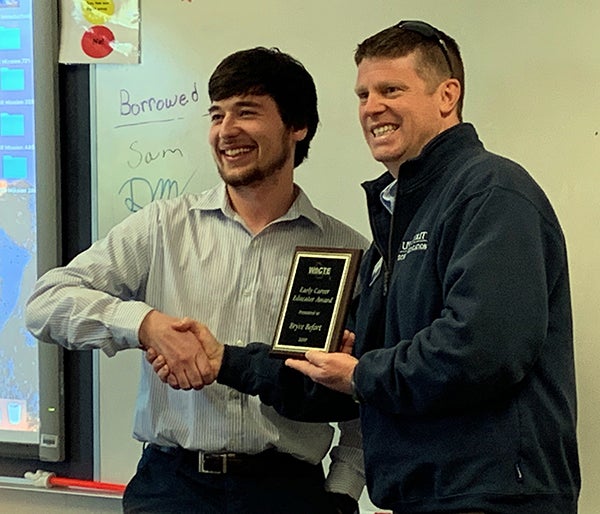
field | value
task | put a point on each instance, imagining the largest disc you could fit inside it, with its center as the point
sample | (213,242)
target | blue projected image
(12,79)
(14,167)
(10,38)
(12,265)
(19,382)
(12,124)
(18,350)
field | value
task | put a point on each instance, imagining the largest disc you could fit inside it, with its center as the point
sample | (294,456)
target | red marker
(48,479)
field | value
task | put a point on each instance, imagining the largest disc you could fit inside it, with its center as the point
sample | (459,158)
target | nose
(372,105)
(228,126)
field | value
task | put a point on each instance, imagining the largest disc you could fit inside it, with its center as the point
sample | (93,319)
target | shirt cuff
(345,479)
(355,396)
(125,326)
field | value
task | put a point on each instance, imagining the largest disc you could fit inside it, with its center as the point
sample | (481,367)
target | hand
(333,370)
(180,350)
(212,353)
(213,349)
(161,368)
(347,342)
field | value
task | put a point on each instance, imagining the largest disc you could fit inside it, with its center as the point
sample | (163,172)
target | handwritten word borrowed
(130,106)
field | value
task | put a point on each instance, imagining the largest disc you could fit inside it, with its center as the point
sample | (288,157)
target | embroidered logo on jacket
(417,244)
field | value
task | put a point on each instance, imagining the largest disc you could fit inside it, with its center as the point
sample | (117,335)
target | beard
(261,172)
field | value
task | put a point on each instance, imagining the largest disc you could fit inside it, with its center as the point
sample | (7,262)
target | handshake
(182,352)
(185,355)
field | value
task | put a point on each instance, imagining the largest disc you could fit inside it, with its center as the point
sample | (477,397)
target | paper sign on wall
(100,31)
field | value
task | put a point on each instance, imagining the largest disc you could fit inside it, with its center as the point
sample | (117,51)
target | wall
(532,90)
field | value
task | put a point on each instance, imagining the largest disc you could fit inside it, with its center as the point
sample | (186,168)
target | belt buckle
(202,458)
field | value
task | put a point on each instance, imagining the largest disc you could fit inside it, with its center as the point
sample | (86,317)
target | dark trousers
(167,483)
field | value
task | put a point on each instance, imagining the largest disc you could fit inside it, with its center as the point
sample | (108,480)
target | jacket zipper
(519,472)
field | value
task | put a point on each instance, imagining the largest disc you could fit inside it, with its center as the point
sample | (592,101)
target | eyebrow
(238,104)
(384,84)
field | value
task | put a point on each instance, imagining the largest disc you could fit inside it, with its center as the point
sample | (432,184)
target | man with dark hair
(463,358)
(222,256)
(282,78)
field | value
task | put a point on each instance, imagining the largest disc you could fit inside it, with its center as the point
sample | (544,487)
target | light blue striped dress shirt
(192,256)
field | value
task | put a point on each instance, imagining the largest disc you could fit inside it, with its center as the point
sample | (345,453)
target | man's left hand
(333,370)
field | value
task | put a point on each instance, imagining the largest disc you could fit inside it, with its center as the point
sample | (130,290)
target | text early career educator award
(316,301)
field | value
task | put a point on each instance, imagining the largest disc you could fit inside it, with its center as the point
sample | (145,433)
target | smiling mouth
(383,130)
(234,152)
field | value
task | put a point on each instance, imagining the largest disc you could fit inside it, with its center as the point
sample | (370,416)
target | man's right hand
(212,355)
(185,356)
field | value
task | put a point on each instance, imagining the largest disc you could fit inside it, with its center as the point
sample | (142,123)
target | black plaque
(316,301)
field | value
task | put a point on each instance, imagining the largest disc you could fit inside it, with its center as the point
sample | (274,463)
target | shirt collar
(388,196)
(216,199)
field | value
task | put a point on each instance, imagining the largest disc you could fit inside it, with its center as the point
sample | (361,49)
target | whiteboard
(532,91)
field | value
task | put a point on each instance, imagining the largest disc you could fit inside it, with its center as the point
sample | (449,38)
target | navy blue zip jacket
(464,335)
(464,339)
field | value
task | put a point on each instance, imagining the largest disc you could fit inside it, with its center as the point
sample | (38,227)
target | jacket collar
(415,174)
(431,162)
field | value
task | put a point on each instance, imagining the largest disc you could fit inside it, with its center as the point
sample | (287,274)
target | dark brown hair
(401,40)
(268,71)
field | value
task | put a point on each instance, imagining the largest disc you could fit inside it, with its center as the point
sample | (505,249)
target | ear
(449,94)
(299,134)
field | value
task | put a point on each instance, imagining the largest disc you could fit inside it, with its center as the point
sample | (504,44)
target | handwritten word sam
(140,157)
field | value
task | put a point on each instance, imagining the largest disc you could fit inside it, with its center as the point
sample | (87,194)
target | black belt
(268,462)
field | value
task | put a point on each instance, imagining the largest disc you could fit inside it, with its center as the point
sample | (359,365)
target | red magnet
(97,41)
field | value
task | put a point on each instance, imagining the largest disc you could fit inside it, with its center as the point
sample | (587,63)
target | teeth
(384,129)
(236,151)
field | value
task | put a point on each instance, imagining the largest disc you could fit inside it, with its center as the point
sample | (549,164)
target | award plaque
(318,293)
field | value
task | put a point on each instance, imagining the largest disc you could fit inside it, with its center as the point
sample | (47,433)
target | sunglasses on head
(428,32)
